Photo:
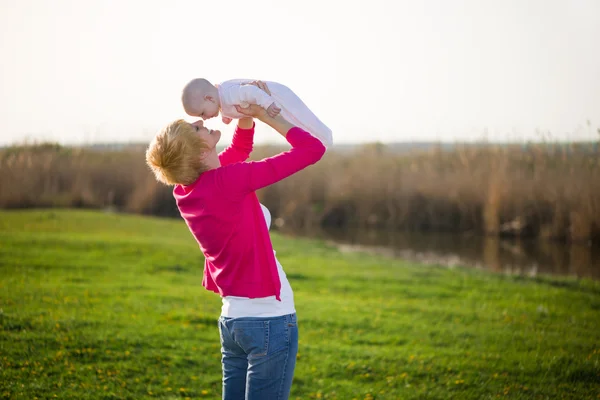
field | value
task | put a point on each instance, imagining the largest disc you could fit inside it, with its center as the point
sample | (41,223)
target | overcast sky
(87,71)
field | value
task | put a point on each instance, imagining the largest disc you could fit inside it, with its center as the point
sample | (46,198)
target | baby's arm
(252,94)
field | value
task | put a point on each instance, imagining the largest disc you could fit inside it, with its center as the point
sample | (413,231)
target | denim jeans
(258,357)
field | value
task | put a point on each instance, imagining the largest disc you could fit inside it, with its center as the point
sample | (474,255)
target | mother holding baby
(216,196)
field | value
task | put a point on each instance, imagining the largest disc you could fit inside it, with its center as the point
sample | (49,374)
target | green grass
(96,306)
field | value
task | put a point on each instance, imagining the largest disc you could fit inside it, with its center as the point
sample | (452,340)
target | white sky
(87,71)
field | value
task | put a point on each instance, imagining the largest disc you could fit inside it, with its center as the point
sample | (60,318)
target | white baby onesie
(239,92)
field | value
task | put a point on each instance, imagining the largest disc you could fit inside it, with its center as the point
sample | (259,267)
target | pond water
(524,257)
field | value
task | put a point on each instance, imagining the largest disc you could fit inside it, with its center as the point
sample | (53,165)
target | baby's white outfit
(239,92)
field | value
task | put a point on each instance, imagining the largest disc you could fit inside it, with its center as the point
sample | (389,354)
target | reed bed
(533,190)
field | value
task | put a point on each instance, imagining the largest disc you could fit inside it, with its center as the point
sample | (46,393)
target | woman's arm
(250,176)
(245,123)
(241,145)
(278,123)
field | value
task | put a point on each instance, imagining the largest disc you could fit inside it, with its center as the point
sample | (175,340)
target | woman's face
(210,136)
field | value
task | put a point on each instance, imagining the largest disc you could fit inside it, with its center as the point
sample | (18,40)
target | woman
(216,197)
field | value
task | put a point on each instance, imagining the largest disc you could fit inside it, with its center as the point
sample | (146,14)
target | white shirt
(235,307)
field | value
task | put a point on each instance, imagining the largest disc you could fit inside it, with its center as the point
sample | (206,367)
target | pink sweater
(222,212)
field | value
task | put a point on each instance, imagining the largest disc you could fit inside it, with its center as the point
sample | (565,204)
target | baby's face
(206,109)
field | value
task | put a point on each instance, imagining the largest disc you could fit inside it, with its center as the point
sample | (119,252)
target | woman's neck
(211,160)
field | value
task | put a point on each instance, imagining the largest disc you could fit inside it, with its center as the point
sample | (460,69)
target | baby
(202,99)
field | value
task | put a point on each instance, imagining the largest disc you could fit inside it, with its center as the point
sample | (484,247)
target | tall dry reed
(538,190)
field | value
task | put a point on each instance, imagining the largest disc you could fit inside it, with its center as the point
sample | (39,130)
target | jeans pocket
(279,334)
(252,337)
(292,321)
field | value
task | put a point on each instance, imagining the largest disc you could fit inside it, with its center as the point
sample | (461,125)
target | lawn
(96,306)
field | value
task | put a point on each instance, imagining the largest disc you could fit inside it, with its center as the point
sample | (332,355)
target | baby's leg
(295,111)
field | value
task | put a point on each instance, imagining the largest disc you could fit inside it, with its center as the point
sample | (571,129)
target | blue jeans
(258,357)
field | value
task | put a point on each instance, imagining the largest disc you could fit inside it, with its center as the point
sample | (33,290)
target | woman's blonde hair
(174,155)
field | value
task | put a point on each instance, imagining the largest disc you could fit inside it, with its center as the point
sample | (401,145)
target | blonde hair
(174,155)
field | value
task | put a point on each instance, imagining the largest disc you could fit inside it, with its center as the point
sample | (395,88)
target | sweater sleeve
(243,95)
(243,178)
(240,148)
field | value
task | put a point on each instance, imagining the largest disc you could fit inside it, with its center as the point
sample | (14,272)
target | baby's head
(200,98)
(174,155)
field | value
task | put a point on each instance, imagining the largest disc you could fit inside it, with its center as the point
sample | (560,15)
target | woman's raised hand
(253,110)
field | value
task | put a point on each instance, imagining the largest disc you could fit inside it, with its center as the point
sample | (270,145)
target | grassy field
(99,306)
